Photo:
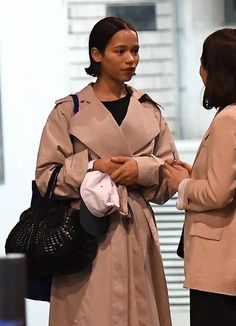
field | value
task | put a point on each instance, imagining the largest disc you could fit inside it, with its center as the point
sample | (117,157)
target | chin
(127,78)
(123,79)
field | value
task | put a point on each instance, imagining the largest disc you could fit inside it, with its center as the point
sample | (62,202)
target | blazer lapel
(202,142)
(204,138)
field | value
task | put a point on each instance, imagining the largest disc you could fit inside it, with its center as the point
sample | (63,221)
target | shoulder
(223,126)
(63,109)
(64,106)
(228,111)
(147,103)
(143,98)
(151,109)
(226,118)
(67,104)
(67,99)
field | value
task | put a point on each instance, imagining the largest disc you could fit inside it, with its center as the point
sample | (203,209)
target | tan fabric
(126,286)
(209,198)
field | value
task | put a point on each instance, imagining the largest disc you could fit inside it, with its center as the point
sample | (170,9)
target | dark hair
(219,60)
(100,36)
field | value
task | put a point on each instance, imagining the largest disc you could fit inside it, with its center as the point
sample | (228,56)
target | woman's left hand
(127,174)
(175,173)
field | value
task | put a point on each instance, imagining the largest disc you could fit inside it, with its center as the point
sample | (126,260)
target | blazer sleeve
(217,190)
(150,173)
(56,148)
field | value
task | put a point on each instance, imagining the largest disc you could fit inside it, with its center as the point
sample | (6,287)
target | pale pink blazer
(209,201)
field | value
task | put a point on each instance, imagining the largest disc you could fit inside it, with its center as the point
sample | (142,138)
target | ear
(96,55)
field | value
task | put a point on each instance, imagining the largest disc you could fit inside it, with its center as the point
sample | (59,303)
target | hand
(127,173)
(106,165)
(175,173)
(187,166)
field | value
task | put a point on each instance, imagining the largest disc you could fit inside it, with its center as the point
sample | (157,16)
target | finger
(179,167)
(170,162)
(120,159)
(169,167)
(119,180)
(166,172)
(121,177)
(114,166)
(184,164)
(179,162)
(115,175)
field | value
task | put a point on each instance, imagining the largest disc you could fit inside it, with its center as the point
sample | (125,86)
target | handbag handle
(52,182)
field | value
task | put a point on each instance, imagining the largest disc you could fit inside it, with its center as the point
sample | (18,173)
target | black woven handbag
(51,236)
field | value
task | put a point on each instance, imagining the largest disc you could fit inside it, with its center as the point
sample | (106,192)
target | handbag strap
(52,182)
(76,102)
(53,179)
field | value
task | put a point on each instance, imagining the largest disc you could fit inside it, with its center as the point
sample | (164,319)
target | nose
(130,57)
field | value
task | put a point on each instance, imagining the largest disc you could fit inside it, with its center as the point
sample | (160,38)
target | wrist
(91,166)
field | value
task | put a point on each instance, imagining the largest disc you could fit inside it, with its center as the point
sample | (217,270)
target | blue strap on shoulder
(76,102)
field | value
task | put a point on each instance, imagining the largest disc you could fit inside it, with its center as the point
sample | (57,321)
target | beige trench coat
(127,285)
(210,201)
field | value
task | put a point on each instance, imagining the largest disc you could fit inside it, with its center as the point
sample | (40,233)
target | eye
(120,51)
(135,51)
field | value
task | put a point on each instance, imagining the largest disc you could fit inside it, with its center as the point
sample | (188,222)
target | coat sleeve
(150,173)
(56,148)
(217,190)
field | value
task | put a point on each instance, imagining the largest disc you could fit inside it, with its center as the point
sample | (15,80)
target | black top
(118,108)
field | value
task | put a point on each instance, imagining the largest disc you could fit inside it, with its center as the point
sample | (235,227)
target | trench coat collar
(96,128)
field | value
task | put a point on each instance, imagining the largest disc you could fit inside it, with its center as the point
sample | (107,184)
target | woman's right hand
(185,165)
(106,165)
(175,173)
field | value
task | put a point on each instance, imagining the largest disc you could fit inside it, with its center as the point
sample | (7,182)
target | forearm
(70,177)
(200,196)
(148,170)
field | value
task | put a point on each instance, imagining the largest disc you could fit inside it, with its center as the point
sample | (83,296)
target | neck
(109,90)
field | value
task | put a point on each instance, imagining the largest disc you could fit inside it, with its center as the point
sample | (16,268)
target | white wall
(197,20)
(33,75)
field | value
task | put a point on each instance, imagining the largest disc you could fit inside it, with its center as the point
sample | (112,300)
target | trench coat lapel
(96,128)
(140,124)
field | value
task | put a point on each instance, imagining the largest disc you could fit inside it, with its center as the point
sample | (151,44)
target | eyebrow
(125,46)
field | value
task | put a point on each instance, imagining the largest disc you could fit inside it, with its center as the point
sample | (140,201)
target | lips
(131,69)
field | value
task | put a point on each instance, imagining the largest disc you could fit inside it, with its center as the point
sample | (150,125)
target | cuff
(181,189)
(148,170)
(90,166)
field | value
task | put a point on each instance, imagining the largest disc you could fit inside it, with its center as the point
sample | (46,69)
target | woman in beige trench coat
(119,129)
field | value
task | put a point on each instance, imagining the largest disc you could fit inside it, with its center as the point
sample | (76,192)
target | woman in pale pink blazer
(207,192)
(117,131)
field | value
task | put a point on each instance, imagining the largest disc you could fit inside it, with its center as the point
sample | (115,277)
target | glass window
(142,16)
(230,11)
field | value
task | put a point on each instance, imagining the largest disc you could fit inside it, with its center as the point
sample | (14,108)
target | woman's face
(121,56)
(203,74)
